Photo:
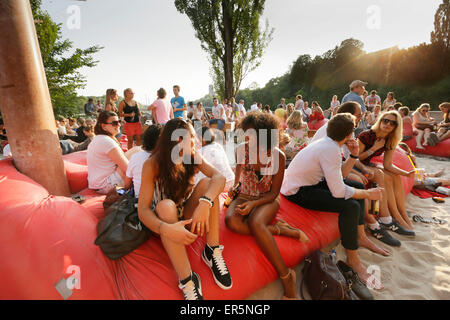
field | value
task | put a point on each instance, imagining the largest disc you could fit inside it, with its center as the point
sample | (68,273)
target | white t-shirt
(300,104)
(134,169)
(216,156)
(242,109)
(254,107)
(216,112)
(100,166)
(373,101)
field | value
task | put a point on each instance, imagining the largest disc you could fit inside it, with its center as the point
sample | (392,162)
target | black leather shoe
(357,286)
(384,236)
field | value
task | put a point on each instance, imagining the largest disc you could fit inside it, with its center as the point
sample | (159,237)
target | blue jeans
(220,123)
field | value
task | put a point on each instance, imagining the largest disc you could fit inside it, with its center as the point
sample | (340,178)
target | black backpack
(120,231)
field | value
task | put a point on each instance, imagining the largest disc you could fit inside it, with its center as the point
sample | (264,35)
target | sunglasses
(114,123)
(391,122)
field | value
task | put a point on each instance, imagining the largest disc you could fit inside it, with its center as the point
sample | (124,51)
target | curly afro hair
(263,121)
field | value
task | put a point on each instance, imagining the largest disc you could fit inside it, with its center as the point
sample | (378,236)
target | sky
(148,44)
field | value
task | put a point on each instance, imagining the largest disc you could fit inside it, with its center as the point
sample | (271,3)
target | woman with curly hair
(260,170)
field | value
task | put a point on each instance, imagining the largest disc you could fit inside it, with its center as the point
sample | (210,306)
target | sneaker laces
(189,290)
(219,261)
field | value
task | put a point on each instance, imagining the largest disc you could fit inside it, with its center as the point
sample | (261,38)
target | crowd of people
(326,168)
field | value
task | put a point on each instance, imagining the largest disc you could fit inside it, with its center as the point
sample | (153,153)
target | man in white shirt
(372,100)
(254,107)
(299,102)
(242,111)
(218,112)
(314,180)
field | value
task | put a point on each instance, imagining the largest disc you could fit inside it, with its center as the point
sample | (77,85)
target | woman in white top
(199,112)
(423,124)
(106,161)
(334,104)
(389,100)
(373,117)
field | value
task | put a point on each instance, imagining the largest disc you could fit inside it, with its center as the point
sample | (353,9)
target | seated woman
(384,137)
(424,125)
(134,169)
(316,116)
(259,200)
(216,156)
(408,131)
(106,161)
(168,201)
(443,127)
(298,131)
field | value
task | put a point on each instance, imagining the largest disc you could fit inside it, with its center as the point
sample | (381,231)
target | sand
(419,269)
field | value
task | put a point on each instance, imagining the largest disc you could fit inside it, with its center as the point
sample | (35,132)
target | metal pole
(25,100)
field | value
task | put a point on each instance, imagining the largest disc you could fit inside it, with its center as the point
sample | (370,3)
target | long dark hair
(176,179)
(102,119)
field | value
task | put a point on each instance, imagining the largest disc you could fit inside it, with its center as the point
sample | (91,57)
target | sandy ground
(419,269)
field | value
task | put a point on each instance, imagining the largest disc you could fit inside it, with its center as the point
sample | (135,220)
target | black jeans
(351,211)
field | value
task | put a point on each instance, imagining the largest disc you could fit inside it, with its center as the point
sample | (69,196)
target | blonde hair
(284,140)
(109,94)
(295,121)
(396,136)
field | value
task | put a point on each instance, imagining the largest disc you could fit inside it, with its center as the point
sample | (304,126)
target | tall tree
(229,31)
(441,34)
(61,68)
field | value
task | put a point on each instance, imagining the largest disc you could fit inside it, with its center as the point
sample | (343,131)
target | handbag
(324,280)
(120,231)
(423,126)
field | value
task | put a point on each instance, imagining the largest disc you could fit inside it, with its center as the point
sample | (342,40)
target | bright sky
(149,44)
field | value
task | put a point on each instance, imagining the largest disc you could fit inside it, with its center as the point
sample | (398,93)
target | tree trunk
(228,59)
(25,100)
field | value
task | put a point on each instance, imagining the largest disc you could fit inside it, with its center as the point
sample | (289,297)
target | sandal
(283,223)
(419,218)
(290,272)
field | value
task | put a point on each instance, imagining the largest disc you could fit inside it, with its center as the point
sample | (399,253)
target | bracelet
(353,157)
(206,199)
(369,152)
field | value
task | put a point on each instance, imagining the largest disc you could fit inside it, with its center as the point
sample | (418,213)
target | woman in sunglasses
(106,161)
(383,137)
(169,201)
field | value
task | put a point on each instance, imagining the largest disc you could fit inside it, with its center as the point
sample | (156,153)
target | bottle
(374,204)
(234,193)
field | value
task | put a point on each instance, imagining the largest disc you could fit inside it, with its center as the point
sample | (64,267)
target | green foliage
(441,34)
(61,68)
(230,33)
(415,74)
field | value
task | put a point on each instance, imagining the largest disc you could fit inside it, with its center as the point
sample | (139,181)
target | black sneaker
(385,237)
(396,227)
(214,259)
(192,289)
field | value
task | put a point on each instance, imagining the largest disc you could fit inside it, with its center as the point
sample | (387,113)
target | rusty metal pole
(25,100)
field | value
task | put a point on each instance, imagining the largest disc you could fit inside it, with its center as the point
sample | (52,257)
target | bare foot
(420,147)
(289,284)
(365,277)
(281,227)
(367,243)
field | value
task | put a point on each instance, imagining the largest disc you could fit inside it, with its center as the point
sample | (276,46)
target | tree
(230,33)
(441,34)
(61,69)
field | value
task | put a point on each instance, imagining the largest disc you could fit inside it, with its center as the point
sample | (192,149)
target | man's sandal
(290,272)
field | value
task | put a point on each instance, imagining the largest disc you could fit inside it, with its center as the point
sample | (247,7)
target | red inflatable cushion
(442,149)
